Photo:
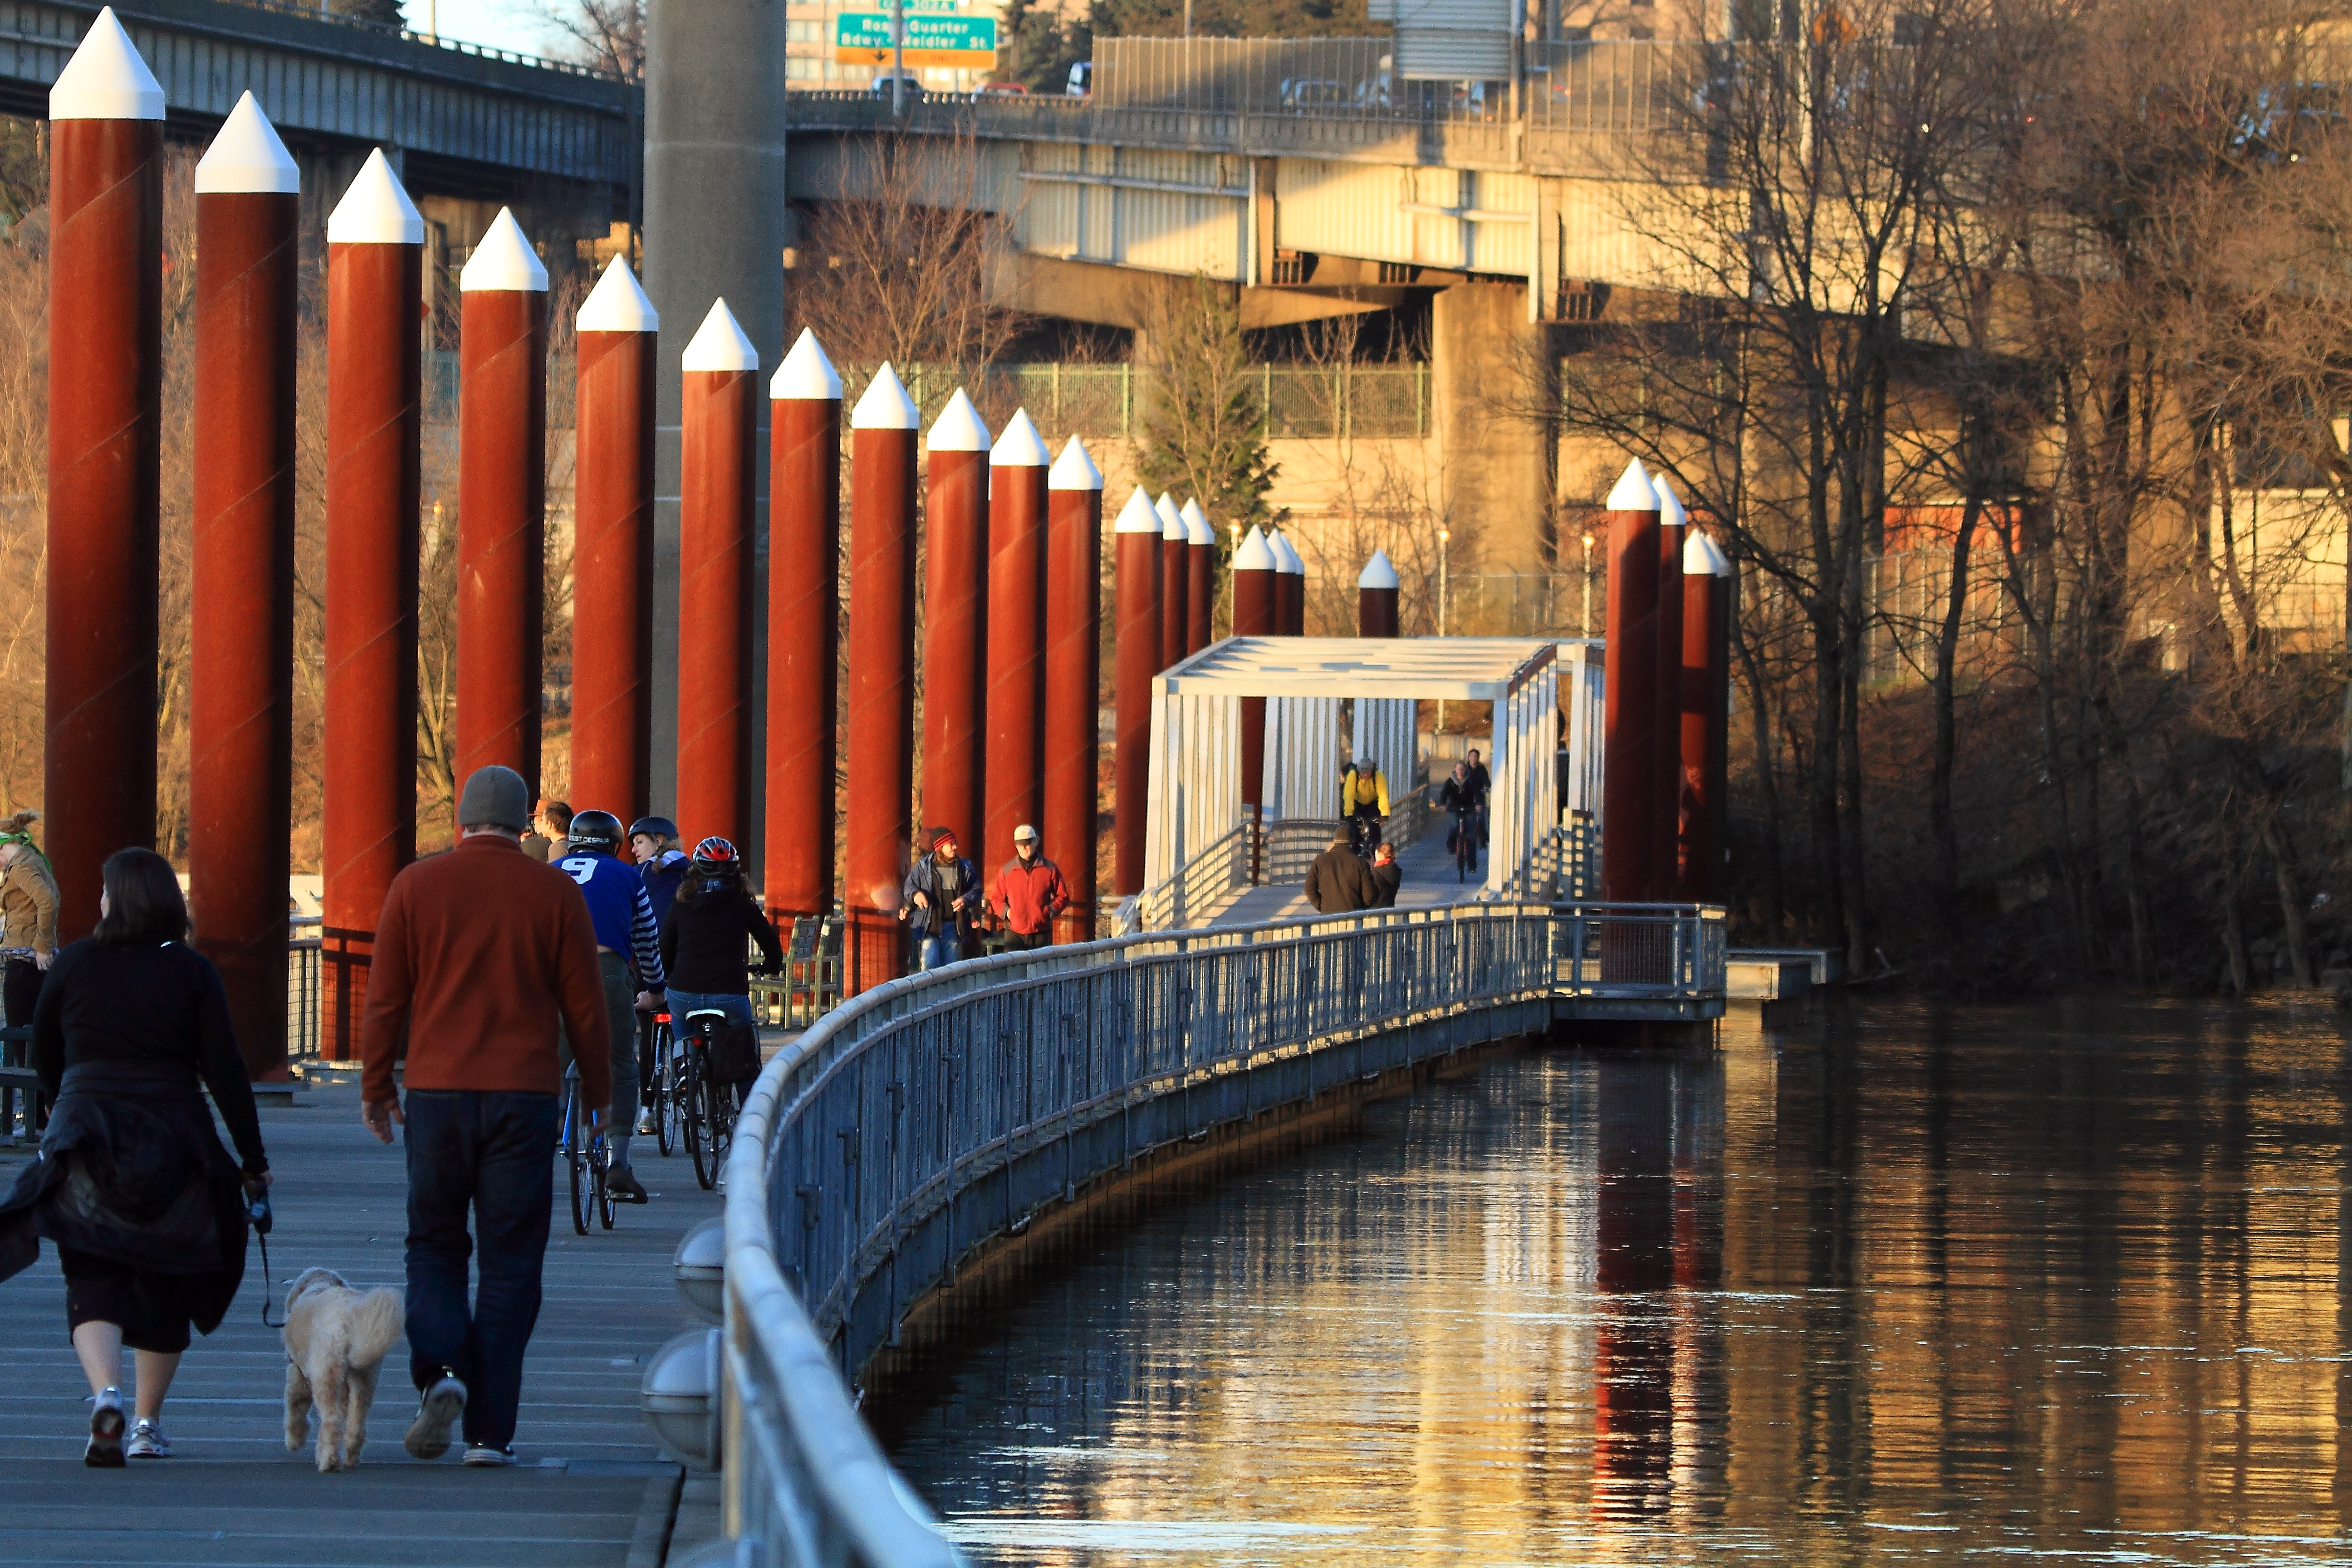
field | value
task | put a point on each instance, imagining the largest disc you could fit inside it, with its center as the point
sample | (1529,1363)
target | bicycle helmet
(715,851)
(598,830)
(660,827)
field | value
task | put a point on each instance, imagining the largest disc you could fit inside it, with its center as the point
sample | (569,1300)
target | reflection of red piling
(375,260)
(955,632)
(1376,598)
(1137,638)
(501,502)
(1016,638)
(1073,678)
(1705,719)
(804,628)
(1627,789)
(106,207)
(1633,1246)
(241,691)
(718,433)
(881,679)
(1200,578)
(613,548)
(1665,724)
(1256,598)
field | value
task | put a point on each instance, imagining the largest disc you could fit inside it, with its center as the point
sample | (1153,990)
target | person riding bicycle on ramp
(702,939)
(628,960)
(1364,801)
(1460,796)
(661,866)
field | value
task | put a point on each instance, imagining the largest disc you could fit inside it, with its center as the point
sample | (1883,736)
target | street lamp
(1233,586)
(1588,584)
(1444,537)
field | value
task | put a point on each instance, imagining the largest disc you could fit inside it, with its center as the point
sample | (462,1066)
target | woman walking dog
(145,1208)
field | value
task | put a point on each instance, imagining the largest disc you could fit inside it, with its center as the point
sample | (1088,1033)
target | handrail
(938,1109)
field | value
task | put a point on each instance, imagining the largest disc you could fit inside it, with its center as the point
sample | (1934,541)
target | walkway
(592,1488)
(1429,883)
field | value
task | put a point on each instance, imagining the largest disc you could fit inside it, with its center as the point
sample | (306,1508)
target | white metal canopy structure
(1195,782)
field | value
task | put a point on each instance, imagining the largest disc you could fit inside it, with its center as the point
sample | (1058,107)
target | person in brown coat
(477,953)
(28,917)
(1340,883)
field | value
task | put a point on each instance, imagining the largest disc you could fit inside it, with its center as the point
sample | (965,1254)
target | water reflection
(1922,1286)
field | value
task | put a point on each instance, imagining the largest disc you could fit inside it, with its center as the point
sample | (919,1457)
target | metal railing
(941,1109)
(1636,953)
(302,993)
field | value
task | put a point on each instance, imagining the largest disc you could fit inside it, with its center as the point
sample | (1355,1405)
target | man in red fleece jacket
(477,953)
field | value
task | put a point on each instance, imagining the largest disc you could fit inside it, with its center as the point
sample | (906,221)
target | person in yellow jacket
(1364,801)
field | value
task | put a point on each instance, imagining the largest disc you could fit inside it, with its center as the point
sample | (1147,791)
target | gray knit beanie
(493,797)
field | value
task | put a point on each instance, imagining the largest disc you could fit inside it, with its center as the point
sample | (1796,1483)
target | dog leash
(256,1214)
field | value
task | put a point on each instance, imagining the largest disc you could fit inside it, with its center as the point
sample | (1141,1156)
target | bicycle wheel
(706,1163)
(664,1091)
(575,1158)
(602,1161)
(721,1103)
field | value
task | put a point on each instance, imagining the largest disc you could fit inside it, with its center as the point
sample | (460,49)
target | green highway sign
(863,39)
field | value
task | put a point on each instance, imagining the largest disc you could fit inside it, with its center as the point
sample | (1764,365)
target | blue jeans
(935,952)
(489,1152)
(736,1005)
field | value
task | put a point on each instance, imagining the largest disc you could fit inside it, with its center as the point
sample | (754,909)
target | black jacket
(702,944)
(1386,881)
(130,1167)
(1340,882)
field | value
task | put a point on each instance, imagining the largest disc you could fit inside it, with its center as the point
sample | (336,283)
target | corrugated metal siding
(1158,230)
(1448,54)
(1341,209)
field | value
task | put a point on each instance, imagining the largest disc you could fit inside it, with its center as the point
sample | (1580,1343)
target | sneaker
(625,1187)
(105,1450)
(645,1122)
(444,1403)
(147,1440)
(487,1458)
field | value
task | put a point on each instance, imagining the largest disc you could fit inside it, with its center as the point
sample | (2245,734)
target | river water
(1917,1285)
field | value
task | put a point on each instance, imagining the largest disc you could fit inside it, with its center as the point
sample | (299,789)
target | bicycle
(1364,834)
(1465,846)
(663,1093)
(589,1160)
(708,1106)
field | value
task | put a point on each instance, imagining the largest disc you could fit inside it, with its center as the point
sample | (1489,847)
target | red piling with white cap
(1709,585)
(105,416)
(719,454)
(1666,728)
(1015,710)
(955,628)
(1175,581)
(1137,638)
(241,631)
(1073,680)
(1375,597)
(375,261)
(1290,587)
(618,336)
(881,784)
(501,502)
(1256,611)
(1629,788)
(1200,578)
(804,630)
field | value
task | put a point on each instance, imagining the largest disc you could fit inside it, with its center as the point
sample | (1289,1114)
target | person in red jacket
(477,953)
(1027,894)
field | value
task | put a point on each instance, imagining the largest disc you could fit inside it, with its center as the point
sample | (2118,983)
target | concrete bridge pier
(1489,375)
(714,143)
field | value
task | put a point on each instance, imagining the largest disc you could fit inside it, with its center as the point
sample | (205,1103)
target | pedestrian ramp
(1429,882)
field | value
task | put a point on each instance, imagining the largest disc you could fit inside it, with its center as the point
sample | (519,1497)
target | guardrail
(943,1109)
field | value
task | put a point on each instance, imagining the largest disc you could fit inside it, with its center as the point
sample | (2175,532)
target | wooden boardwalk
(592,1488)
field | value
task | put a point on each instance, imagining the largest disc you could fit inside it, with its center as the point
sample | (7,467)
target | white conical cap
(806,375)
(504,262)
(1172,521)
(106,79)
(1020,447)
(1670,509)
(1632,491)
(958,428)
(616,304)
(1196,524)
(1137,516)
(719,344)
(1253,553)
(376,209)
(1702,557)
(247,156)
(1074,469)
(1285,554)
(885,404)
(1378,572)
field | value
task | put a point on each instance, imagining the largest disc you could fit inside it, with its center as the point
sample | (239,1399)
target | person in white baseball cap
(1028,892)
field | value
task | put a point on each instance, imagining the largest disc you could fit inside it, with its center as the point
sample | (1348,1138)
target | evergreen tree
(1204,427)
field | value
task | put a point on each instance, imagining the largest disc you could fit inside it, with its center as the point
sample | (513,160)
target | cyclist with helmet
(1364,801)
(702,939)
(661,866)
(628,956)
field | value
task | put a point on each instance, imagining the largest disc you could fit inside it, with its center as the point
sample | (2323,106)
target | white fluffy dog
(336,1339)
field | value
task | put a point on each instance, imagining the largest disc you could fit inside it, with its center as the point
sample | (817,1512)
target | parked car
(883,79)
(1082,81)
(1306,94)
